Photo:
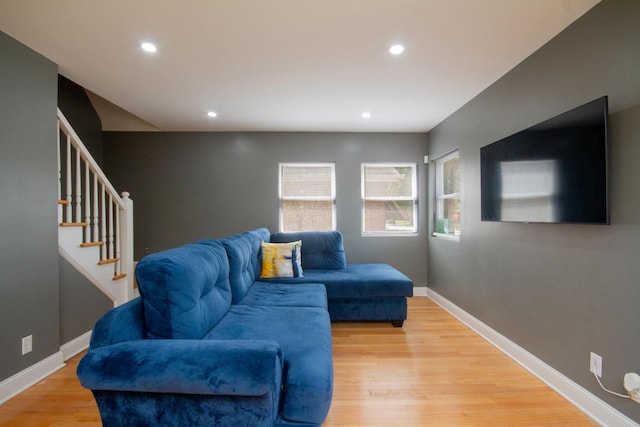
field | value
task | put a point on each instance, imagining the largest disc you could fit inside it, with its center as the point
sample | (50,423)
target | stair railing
(90,201)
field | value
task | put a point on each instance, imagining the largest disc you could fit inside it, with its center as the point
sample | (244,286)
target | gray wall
(76,106)
(81,303)
(559,291)
(28,195)
(187,186)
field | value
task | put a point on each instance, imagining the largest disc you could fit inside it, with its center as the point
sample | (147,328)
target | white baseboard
(595,408)
(24,379)
(419,291)
(75,346)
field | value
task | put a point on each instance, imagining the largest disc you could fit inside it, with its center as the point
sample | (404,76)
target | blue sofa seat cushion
(185,290)
(358,281)
(286,295)
(321,250)
(304,335)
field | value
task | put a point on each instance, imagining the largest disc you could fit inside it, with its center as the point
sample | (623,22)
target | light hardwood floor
(432,372)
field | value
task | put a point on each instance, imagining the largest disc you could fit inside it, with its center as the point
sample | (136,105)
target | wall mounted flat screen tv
(553,172)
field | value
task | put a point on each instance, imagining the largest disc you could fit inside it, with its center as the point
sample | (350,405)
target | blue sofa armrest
(205,367)
(123,323)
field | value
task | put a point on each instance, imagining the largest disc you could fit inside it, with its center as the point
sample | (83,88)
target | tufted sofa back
(321,250)
(245,260)
(185,291)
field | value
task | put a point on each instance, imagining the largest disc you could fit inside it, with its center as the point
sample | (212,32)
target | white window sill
(389,234)
(453,237)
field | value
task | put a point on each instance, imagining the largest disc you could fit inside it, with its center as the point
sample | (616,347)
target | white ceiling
(287,65)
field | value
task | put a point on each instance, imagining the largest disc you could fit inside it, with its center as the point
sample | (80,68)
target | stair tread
(108,261)
(119,276)
(89,244)
(74,224)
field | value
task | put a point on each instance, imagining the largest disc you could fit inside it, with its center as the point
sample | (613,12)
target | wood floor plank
(433,371)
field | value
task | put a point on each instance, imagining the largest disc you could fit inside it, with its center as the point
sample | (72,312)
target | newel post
(126,247)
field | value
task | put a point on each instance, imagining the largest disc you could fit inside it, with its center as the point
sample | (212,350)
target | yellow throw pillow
(281,259)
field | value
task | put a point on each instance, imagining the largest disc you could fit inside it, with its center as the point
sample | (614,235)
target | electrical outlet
(595,364)
(27,344)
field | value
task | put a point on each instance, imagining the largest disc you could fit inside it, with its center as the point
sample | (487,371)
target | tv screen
(553,172)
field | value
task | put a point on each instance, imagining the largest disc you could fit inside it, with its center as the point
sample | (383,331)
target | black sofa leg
(397,323)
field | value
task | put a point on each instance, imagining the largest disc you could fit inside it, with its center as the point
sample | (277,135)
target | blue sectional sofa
(209,342)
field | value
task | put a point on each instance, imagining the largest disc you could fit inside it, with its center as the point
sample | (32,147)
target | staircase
(96,223)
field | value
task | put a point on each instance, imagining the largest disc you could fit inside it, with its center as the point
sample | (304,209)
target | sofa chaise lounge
(372,291)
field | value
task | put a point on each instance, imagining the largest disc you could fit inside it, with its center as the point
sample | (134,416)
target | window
(307,196)
(389,198)
(447,203)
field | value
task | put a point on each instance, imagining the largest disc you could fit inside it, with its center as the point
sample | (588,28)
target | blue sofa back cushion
(185,290)
(321,250)
(245,260)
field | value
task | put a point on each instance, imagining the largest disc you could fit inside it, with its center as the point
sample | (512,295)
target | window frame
(440,197)
(414,197)
(282,198)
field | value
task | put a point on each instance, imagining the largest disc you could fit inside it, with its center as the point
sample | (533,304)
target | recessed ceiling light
(396,49)
(148,47)
(366,115)
(212,114)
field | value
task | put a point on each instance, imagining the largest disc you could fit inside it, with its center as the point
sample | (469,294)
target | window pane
(451,213)
(451,176)
(388,181)
(395,216)
(306,181)
(307,215)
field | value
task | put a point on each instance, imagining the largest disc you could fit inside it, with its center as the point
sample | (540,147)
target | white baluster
(103,225)
(87,202)
(111,251)
(68,186)
(116,237)
(96,232)
(78,210)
